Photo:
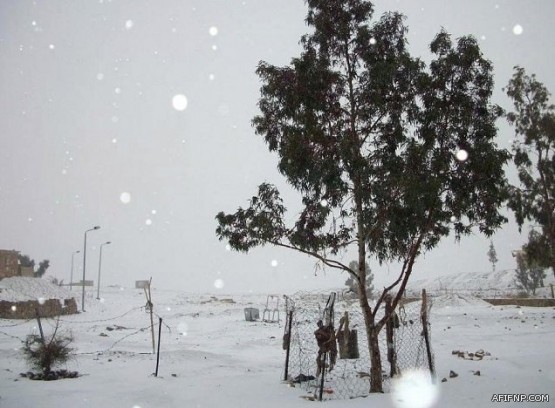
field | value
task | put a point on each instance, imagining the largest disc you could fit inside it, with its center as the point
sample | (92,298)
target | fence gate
(345,366)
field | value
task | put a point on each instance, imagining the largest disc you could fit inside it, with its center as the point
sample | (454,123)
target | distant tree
(534,157)
(529,274)
(27,262)
(388,157)
(492,256)
(352,284)
(43,266)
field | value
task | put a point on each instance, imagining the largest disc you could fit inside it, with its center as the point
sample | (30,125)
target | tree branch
(329,262)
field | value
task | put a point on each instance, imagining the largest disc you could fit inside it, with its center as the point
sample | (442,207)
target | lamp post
(71,274)
(84,266)
(100,266)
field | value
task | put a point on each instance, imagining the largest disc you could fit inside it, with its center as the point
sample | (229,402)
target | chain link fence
(349,375)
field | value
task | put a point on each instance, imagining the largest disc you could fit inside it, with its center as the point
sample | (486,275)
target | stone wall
(522,302)
(27,309)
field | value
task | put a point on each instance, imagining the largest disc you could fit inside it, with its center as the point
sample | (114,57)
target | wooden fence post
(40,325)
(150,307)
(389,331)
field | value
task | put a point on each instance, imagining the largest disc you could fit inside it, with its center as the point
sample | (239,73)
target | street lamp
(99,266)
(84,266)
(71,274)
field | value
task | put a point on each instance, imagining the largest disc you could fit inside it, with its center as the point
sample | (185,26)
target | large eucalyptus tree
(387,155)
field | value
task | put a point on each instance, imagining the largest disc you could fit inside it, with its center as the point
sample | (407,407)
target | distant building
(27,271)
(9,263)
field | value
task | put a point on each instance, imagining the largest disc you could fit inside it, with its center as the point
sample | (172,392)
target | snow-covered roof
(19,288)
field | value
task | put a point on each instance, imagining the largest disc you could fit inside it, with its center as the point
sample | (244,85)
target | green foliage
(44,355)
(534,156)
(360,125)
(529,275)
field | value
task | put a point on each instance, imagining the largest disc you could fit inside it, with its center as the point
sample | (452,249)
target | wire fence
(348,376)
(56,320)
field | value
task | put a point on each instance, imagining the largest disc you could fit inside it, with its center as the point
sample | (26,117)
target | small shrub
(44,355)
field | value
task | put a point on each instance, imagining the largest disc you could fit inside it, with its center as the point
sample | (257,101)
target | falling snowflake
(462,155)
(274,263)
(148,221)
(129,24)
(213,31)
(125,197)
(372,41)
(414,389)
(100,76)
(179,102)
(51,46)
(219,283)
(517,29)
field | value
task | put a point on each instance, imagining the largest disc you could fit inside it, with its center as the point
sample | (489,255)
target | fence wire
(350,376)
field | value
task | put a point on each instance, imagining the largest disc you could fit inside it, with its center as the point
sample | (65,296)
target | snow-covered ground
(212,357)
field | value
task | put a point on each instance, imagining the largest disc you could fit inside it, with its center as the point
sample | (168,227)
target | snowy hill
(483,284)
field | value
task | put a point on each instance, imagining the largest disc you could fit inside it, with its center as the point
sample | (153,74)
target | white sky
(86,115)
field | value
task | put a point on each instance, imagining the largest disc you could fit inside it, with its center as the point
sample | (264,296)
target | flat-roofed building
(9,263)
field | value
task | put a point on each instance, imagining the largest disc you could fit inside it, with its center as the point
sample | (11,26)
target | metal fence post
(424,317)
(158,355)
(288,339)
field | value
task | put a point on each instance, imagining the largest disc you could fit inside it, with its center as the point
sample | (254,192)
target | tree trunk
(376,380)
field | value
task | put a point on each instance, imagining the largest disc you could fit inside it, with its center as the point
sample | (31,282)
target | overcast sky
(91,133)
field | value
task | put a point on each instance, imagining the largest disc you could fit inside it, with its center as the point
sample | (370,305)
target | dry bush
(45,354)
